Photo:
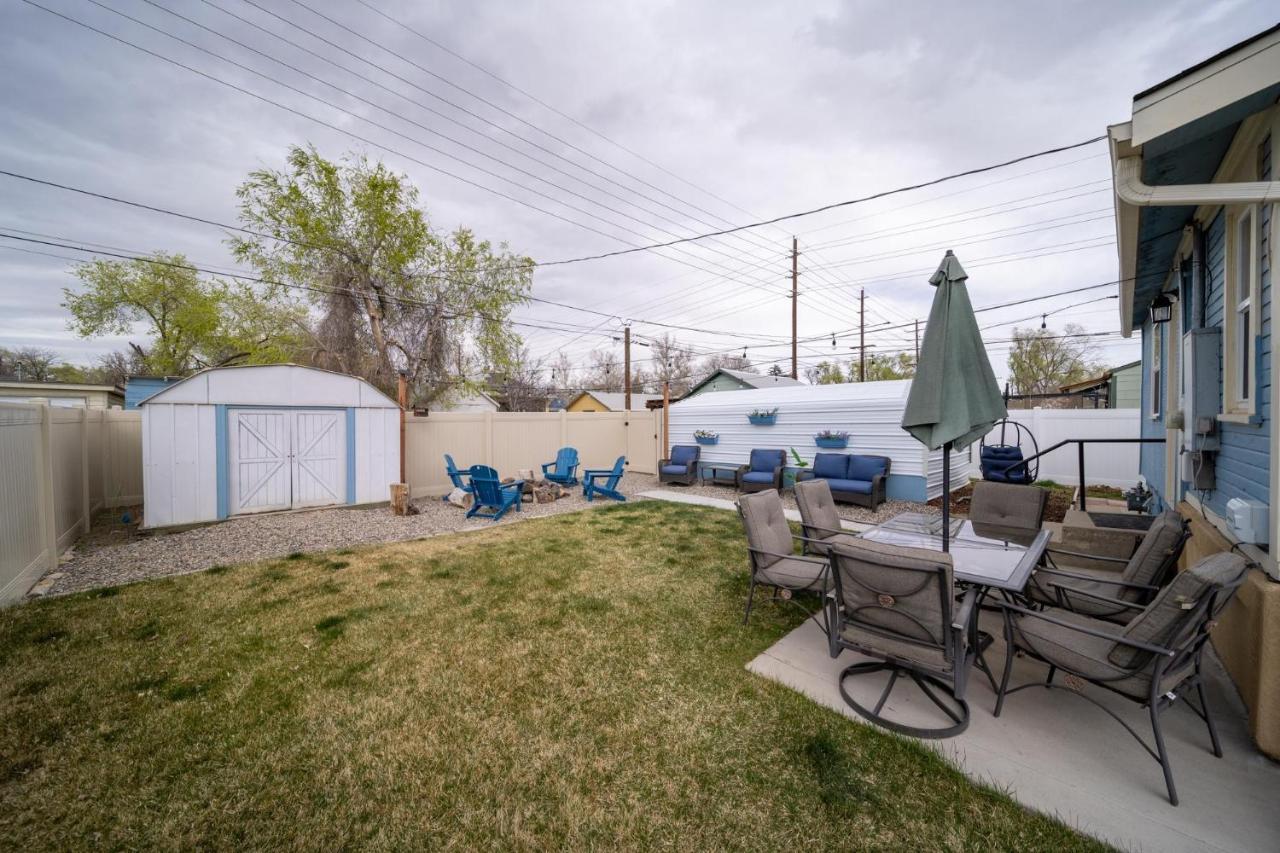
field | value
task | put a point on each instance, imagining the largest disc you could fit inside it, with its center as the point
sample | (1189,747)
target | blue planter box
(832,443)
(763,420)
(706,441)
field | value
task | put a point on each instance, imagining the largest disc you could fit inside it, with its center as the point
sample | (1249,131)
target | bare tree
(672,362)
(522,385)
(730,361)
(33,364)
(1042,360)
(604,371)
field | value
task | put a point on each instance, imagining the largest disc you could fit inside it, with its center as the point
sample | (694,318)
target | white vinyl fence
(1104,464)
(510,441)
(58,466)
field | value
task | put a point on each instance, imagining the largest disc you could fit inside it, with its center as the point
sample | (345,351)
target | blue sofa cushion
(830,465)
(683,454)
(758,477)
(675,469)
(862,487)
(995,458)
(865,467)
(766,460)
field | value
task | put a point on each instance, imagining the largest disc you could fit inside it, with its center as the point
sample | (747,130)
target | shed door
(258,456)
(319,458)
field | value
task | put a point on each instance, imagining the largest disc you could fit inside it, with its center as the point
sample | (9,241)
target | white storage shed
(236,440)
(871,412)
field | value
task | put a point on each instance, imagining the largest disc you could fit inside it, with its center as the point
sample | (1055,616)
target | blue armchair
(762,472)
(564,469)
(682,467)
(456,475)
(492,497)
(604,481)
(853,478)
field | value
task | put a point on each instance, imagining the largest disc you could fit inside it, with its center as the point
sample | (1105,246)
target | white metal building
(236,440)
(871,412)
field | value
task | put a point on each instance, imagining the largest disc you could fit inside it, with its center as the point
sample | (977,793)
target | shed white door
(280,459)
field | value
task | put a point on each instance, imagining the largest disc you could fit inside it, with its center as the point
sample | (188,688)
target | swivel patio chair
(455,474)
(564,469)
(771,552)
(682,467)
(604,481)
(818,517)
(895,604)
(1091,591)
(492,497)
(762,472)
(1154,660)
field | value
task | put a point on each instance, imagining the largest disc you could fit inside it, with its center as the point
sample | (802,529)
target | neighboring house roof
(615,401)
(1096,381)
(32,387)
(748,379)
(139,388)
(477,399)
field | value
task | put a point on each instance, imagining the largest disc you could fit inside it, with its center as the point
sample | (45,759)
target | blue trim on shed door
(222,459)
(351,456)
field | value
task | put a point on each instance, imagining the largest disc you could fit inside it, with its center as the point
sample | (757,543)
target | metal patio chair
(818,517)
(897,604)
(1090,591)
(771,552)
(1154,660)
(1008,505)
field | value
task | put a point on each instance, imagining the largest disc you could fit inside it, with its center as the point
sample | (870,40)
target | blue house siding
(139,388)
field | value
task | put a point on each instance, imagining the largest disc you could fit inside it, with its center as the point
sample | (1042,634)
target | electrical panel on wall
(1201,404)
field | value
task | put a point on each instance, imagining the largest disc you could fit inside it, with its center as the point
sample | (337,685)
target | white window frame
(1241,297)
(1157,369)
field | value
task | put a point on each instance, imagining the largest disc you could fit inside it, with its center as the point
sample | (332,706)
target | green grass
(575,681)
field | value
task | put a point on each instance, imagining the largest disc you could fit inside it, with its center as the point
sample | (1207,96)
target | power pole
(666,420)
(626,367)
(862,335)
(917,341)
(795,304)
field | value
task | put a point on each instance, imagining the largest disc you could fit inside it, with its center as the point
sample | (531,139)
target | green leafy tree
(880,367)
(391,294)
(776,370)
(825,373)
(34,364)
(1043,360)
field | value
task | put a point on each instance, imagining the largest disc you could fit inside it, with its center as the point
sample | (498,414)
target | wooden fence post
(48,512)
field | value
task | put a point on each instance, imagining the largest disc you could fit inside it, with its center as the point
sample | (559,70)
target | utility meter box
(1201,403)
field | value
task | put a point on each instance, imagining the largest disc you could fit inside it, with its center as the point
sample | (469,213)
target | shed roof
(273,385)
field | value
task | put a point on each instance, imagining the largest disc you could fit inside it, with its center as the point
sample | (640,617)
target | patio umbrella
(954,398)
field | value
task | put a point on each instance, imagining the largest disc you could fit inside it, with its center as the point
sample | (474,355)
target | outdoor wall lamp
(1161,309)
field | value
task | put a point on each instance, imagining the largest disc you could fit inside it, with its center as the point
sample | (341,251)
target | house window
(1242,320)
(1157,373)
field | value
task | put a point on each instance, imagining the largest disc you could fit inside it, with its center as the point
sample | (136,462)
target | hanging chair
(998,460)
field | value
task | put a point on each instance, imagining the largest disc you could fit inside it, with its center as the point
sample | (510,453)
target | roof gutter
(1132,194)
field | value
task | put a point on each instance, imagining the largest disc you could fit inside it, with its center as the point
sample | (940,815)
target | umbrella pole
(946,497)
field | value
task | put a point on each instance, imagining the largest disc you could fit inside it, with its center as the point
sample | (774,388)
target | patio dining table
(986,556)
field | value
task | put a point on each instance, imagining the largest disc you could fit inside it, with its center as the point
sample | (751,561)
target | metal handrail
(1080,443)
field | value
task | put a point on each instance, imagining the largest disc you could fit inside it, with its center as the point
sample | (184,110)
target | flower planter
(832,443)
(763,420)
(706,440)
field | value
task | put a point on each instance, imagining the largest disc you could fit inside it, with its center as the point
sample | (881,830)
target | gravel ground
(115,553)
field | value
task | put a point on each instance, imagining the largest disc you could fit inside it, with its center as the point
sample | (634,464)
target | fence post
(84,470)
(48,511)
(488,439)
(104,450)
(564,427)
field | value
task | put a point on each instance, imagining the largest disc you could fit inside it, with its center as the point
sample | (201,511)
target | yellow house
(608,401)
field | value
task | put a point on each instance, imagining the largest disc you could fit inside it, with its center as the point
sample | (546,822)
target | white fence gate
(1105,464)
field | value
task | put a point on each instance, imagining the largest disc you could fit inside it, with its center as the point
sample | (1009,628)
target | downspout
(1197,276)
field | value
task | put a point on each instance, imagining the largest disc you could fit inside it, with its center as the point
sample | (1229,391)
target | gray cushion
(865,467)
(675,469)
(895,591)
(1007,505)
(824,546)
(1158,545)
(876,645)
(1165,622)
(830,465)
(797,574)
(766,525)
(817,509)
(1041,589)
(862,487)
(758,477)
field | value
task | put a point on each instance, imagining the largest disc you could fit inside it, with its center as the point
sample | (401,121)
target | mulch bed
(1056,510)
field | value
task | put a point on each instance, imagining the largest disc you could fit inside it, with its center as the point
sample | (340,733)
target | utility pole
(795,304)
(626,367)
(666,420)
(862,335)
(917,341)
(402,398)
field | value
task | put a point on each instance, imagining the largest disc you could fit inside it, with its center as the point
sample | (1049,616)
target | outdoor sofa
(853,478)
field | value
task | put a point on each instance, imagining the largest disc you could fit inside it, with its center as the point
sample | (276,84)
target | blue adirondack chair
(604,481)
(492,495)
(564,469)
(455,475)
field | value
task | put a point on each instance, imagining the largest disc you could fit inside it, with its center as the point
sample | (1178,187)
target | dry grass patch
(575,681)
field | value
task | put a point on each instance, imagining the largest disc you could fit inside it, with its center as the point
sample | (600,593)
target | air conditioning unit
(1248,520)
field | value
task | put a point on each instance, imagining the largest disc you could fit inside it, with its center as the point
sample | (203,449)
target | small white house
(871,412)
(236,440)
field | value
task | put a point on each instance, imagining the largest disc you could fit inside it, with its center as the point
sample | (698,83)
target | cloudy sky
(644,121)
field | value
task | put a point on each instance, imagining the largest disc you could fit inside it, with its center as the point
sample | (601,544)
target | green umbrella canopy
(954,396)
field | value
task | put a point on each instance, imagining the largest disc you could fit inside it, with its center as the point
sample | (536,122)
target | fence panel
(69,471)
(1105,464)
(23,542)
(122,458)
(643,429)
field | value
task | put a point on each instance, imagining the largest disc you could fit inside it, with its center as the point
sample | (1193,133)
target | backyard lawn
(571,681)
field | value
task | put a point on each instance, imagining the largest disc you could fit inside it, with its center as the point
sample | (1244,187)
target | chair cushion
(817,509)
(1164,622)
(1008,505)
(875,645)
(675,469)
(865,467)
(861,487)
(766,460)
(830,465)
(796,574)
(1157,546)
(823,547)
(1041,588)
(995,460)
(683,454)
(766,525)
(758,477)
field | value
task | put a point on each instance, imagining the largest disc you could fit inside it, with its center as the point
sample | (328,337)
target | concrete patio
(1059,754)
